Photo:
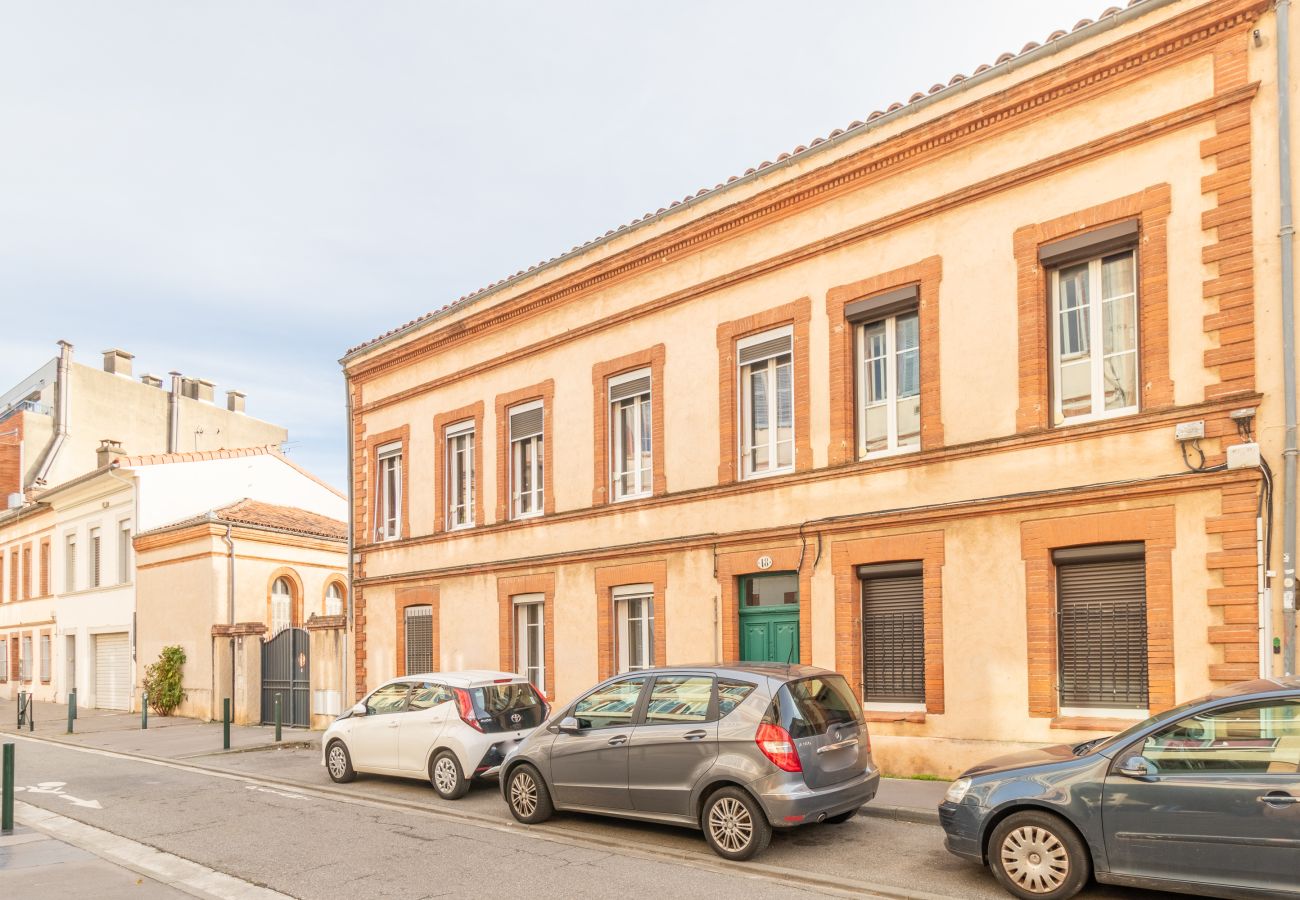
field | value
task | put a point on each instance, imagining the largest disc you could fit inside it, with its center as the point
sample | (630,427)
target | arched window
(281,605)
(334,599)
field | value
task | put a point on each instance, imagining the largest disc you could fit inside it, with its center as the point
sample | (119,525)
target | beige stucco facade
(1163,116)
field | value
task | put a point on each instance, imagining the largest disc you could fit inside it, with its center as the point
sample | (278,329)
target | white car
(448,727)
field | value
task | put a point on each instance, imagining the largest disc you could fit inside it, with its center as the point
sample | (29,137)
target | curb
(900,814)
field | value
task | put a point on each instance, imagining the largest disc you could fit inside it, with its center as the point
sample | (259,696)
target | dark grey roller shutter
(767,349)
(1102,622)
(893,633)
(630,388)
(419,639)
(526,423)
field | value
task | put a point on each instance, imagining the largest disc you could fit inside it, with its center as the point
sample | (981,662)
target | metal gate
(286,667)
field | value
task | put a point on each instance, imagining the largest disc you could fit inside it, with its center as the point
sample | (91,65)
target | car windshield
(508,707)
(1118,740)
(821,701)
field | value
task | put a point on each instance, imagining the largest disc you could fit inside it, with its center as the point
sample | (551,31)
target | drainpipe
(348,627)
(1285,235)
(230,608)
(174,418)
(62,393)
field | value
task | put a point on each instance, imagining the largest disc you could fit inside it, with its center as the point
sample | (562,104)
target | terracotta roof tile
(283,518)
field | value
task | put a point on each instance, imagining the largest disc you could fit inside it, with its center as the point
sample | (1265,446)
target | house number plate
(765,562)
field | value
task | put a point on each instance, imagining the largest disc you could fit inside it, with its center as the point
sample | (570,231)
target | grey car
(734,750)
(1202,799)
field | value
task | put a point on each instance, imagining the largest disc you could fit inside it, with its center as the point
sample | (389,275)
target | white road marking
(266,790)
(55,788)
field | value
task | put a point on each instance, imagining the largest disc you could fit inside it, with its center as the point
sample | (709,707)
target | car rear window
(508,707)
(819,703)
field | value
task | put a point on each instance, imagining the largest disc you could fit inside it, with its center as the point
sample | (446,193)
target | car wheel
(339,764)
(841,818)
(446,777)
(1037,856)
(527,796)
(734,824)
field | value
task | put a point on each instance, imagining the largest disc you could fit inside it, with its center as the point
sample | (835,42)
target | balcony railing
(30,406)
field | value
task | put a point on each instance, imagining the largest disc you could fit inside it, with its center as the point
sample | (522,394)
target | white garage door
(112,671)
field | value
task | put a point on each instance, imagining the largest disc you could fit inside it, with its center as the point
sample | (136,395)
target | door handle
(838,745)
(1279,798)
(695,735)
(618,740)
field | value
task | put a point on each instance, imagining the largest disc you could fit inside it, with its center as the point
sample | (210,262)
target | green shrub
(162,681)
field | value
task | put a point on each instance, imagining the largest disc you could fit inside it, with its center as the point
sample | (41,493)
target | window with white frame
(526,455)
(460,475)
(25,659)
(124,551)
(766,371)
(530,638)
(70,562)
(4,658)
(631,435)
(1094,324)
(281,605)
(634,615)
(334,599)
(45,657)
(388,492)
(888,378)
(95,558)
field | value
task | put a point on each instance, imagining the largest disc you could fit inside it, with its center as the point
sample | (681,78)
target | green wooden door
(769,618)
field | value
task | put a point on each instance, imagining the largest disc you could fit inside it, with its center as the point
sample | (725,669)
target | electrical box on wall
(1243,456)
(1189,431)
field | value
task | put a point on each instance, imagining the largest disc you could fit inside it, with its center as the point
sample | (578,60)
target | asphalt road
(275,819)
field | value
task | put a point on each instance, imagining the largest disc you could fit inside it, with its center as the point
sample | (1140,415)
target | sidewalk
(34,864)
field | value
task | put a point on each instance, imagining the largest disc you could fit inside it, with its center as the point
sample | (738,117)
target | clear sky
(242,190)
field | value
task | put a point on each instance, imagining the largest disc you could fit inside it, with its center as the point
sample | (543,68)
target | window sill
(894,715)
(1092,723)
(1094,418)
(630,498)
(771,473)
(886,454)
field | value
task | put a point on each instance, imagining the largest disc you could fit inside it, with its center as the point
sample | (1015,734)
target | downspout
(62,392)
(348,628)
(1285,236)
(174,419)
(230,608)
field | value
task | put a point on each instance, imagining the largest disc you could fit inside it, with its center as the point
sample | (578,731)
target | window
(631,435)
(94,558)
(679,699)
(334,599)
(1258,738)
(1102,626)
(526,475)
(428,695)
(1095,338)
(45,568)
(391,698)
(731,694)
(45,657)
(25,660)
(418,621)
(889,385)
(634,612)
(13,574)
(530,638)
(609,707)
(893,633)
(27,572)
(70,563)
(766,363)
(123,552)
(460,475)
(281,605)
(388,492)
(4,659)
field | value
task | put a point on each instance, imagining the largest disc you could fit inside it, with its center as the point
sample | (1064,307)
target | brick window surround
(373,444)
(295,589)
(601,373)
(1039,537)
(846,556)
(343,592)
(731,566)
(13,574)
(610,577)
(798,314)
(27,571)
(926,275)
(44,582)
(1151,207)
(440,422)
(507,589)
(422,595)
(545,391)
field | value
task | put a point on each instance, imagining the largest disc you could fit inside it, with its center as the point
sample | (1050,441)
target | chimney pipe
(203,390)
(118,362)
(174,413)
(151,380)
(235,401)
(108,451)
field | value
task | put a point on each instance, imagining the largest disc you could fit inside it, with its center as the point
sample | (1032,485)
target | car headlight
(957,791)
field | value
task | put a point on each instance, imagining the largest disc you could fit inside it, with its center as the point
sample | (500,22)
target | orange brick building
(901,403)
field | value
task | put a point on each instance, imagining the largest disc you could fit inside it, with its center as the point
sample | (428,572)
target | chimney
(118,362)
(108,451)
(151,380)
(203,390)
(235,401)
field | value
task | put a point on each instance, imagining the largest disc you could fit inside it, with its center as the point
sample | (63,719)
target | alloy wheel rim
(730,824)
(338,765)
(523,794)
(444,775)
(1035,859)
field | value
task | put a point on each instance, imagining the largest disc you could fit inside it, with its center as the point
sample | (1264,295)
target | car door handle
(694,735)
(618,740)
(1279,798)
(838,745)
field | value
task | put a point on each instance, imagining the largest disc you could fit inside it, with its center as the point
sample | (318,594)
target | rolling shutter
(1102,625)
(766,349)
(419,639)
(893,632)
(526,422)
(630,387)
(112,671)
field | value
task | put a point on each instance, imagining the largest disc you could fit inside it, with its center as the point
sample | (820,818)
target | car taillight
(466,709)
(778,746)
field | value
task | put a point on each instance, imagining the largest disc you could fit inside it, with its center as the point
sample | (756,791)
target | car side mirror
(359,709)
(1137,767)
(569,725)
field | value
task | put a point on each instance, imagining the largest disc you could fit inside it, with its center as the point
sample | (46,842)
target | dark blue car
(1203,799)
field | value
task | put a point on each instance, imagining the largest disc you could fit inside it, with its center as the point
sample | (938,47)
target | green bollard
(74,704)
(22,708)
(277,718)
(144,710)
(225,724)
(7,791)
(72,709)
